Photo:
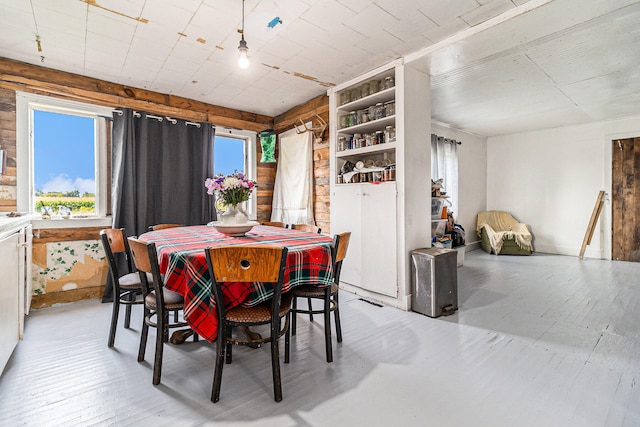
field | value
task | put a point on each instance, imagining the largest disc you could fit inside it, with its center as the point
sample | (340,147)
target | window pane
(64,161)
(228,155)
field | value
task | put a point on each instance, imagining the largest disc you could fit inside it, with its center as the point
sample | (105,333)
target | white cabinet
(386,212)
(15,265)
(368,211)
(9,296)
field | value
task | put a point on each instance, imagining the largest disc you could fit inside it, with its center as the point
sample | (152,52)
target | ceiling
(497,66)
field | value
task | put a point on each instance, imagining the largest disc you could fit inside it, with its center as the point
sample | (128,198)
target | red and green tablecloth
(181,253)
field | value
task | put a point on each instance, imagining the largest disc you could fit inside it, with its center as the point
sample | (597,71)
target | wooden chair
(311,229)
(274,224)
(306,227)
(158,302)
(249,264)
(329,294)
(126,283)
(163,226)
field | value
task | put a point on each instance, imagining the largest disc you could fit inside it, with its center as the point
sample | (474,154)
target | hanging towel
(293,188)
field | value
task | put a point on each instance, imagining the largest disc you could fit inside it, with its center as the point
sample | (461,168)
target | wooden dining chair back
(163,226)
(249,264)
(306,227)
(158,302)
(274,224)
(328,294)
(126,282)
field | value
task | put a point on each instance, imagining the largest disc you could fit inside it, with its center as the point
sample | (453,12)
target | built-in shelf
(389,147)
(367,101)
(370,126)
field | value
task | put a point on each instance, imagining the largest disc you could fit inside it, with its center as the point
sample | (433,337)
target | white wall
(472,177)
(550,179)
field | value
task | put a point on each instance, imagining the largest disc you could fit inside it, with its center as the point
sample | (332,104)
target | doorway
(625,216)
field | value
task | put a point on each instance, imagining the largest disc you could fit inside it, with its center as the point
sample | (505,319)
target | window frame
(26,103)
(250,161)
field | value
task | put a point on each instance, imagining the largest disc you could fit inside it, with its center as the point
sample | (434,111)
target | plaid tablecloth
(183,262)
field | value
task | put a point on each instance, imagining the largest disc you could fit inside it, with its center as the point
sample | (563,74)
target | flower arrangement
(233,189)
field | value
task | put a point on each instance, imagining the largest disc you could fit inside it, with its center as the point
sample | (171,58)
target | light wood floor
(538,341)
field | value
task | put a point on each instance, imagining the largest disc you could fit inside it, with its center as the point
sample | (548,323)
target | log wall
(8,200)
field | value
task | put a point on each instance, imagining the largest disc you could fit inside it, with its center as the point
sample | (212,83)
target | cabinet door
(346,215)
(9,297)
(379,239)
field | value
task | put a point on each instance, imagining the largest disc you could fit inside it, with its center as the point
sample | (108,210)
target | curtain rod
(449,140)
(159,118)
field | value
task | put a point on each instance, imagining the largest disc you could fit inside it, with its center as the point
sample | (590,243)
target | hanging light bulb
(243,59)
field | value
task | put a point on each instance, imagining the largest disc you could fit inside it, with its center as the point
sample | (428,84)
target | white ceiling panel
(443,12)
(540,63)
(486,12)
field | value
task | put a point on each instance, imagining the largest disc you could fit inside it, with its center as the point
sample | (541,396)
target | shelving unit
(382,216)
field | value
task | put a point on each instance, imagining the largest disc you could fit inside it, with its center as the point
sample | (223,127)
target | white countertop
(9,225)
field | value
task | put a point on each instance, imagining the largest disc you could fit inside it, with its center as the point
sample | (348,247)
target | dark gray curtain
(158,173)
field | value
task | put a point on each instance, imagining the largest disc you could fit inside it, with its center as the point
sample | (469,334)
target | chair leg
(175,316)
(327,325)
(294,315)
(229,347)
(310,310)
(287,338)
(337,316)
(143,335)
(127,317)
(165,331)
(217,374)
(114,320)
(161,331)
(275,366)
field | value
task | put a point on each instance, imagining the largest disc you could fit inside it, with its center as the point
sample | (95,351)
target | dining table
(182,261)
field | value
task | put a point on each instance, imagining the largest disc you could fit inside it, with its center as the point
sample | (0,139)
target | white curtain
(444,164)
(293,189)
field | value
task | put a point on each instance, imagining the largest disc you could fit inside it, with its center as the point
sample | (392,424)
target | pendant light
(243,60)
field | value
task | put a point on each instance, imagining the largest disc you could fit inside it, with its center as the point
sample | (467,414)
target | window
(235,150)
(444,165)
(62,158)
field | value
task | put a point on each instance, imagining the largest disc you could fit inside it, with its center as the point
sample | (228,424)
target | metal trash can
(434,281)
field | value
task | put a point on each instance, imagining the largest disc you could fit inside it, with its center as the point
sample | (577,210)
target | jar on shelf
(389,82)
(379,110)
(345,97)
(374,139)
(359,117)
(357,140)
(390,134)
(353,119)
(364,90)
(356,94)
(374,86)
(380,136)
(342,143)
(389,108)
(344,121)
(365,115)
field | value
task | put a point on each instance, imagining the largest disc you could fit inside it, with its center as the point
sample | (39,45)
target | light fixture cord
(242,19)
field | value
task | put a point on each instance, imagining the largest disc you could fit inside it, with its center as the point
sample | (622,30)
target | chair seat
(172,300)
(310,291)
(258,314)
(131,281)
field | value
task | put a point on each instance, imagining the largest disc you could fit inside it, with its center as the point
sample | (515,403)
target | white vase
(234,214)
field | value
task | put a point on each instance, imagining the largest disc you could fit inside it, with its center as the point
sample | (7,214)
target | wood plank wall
(308,112)
(8,193)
